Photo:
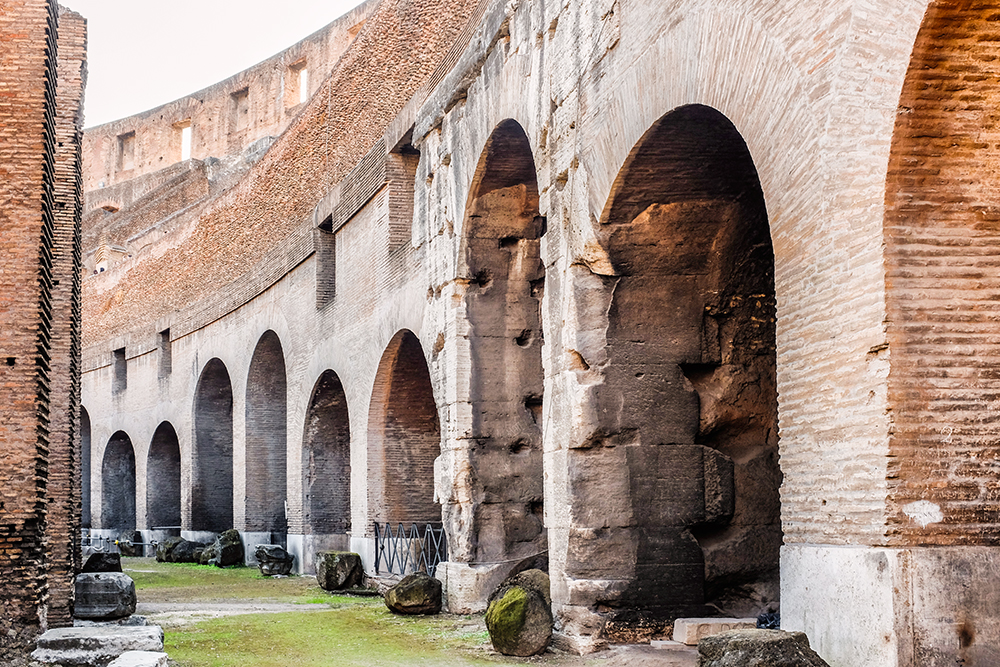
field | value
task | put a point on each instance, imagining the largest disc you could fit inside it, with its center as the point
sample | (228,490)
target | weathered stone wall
(40,190)
(593,256)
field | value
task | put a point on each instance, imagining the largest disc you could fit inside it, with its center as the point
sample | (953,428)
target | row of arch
(689,377)
(409,420)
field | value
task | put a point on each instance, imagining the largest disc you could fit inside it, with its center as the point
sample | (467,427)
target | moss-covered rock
(225,551)
(415,594)
(519,615)
(337,570)
(166,547)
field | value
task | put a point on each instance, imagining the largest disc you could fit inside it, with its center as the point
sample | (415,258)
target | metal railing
(403,551)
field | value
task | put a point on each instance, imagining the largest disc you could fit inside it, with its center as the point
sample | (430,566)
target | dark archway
(212,464)
(506,278)
(404,436)
(118,484)
(163,479)
(266,437)
(85,459)
(688,406)
(326,459)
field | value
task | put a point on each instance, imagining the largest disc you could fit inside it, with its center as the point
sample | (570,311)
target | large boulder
(758,648)
(519,615)
(103,562)
(337,570)
(186,552)
(104,596)
(416,593)
(165,548)
(273,560)
(225,551)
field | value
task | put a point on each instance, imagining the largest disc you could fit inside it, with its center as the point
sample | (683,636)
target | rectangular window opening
(165,360)
(120,370)
(240,110)
(126,151)
(296,84)
(326,263)
(182,140)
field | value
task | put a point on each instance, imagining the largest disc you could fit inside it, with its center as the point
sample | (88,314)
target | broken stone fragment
(225,551)
(337,570)
(416,593)
(104,595)
(164,548)
(773,648)
(273,560)
(103,562)
(519,616)
(186,552)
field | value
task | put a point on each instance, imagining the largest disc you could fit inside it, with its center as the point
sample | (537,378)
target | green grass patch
(364,633)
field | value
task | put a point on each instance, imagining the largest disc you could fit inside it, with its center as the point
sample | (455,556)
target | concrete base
(466,588)
(203,536)
(364,547)
(882,607)
(304,548)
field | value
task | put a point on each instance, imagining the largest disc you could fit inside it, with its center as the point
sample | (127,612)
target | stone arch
(404,436)
(163,479)
(326,459)
(118,484)
(266,437)
(687,409)
(942,244)
(506,279)
(85,462)
(212,464)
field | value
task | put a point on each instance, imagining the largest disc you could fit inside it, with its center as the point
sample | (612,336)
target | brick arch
(266,437)
(684,462)
(506,279)
(163,479)
(326,459)
(212,464)
(942,239)
(118,483)
(404,436)
(85,462)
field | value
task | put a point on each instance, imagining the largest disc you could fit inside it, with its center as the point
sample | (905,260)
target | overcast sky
(141,54)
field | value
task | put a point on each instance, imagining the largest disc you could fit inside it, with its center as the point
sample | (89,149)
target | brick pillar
(27,126)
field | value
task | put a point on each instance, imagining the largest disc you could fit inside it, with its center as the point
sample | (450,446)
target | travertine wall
(43,76)
(688,234)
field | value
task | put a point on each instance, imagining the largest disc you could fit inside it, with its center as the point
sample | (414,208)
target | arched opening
(502,233)
(266,437)
(403,436)
(326,459)
(942,236)
(118,484)
(688,406)
(85,459)
(163,479)
(212,464)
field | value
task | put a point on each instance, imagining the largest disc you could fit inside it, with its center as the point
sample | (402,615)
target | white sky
(144,53)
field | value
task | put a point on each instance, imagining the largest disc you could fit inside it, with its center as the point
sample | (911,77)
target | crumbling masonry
(691,302)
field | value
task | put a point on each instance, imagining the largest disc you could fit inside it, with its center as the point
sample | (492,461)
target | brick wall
(163,479)
(118,484)
(942,234)
(404,436)
(266,437)
(326,460)
(64,443)
(27,161)
(212,465)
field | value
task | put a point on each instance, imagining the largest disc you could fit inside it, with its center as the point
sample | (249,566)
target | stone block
(272,560)
(140,659)
(690,631)
(96,645)
(337,570)
(417,593)
(775,648)
(104,595)
(103,562)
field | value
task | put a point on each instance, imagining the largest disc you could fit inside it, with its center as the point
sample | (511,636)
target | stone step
(690,630)
(140,659)
(96,645)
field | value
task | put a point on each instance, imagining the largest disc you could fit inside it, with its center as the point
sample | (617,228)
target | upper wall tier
(224,118)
